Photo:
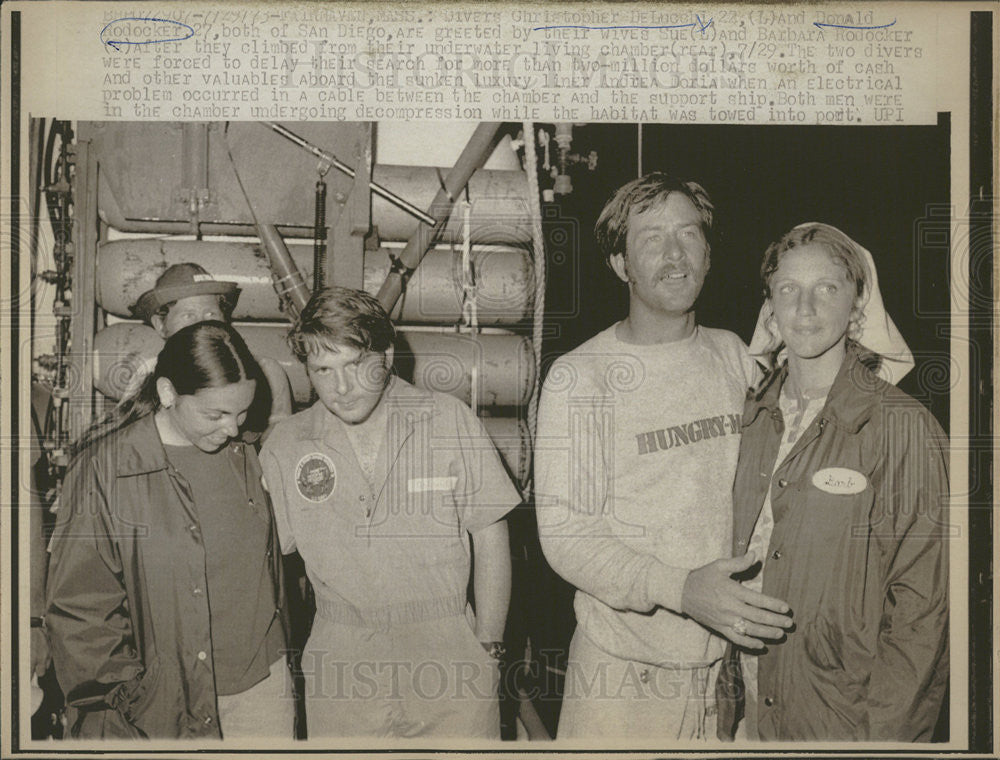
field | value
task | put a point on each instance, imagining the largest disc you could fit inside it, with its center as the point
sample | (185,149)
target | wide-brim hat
(182,281)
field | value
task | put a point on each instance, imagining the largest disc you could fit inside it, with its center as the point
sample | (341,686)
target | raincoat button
(361,498)
(775,554)
(202,656)
(250,502)
(769,701)
(782,483)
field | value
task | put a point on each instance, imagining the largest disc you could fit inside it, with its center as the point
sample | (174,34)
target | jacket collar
(140,451)
(853,397)
(139,448)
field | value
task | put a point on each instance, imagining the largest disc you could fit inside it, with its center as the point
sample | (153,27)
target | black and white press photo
(457,379)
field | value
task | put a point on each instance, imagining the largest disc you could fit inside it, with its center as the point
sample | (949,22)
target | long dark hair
(202,355)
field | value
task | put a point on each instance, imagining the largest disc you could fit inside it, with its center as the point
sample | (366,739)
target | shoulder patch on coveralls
(315,477)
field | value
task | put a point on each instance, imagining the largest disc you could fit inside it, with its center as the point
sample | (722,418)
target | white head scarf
(877,332)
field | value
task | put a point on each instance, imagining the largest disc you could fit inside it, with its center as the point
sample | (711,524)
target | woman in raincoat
(841,493)
(164,597)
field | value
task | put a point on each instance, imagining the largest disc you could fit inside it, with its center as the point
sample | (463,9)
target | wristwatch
(494,649)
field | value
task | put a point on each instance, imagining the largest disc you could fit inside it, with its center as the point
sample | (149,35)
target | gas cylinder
(503,276)
(126,351)
(501,364)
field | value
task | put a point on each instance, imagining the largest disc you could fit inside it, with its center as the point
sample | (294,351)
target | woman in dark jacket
(164,588)
(841,491)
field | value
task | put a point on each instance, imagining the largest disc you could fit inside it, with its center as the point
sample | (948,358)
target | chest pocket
(826,527)
(417,521)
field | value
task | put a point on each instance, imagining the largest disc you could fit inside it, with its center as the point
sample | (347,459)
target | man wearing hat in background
(185,294)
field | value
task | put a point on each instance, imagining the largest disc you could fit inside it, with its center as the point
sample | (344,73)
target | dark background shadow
(886,187)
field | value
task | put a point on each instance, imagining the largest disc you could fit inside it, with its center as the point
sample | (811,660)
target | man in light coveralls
(380,486)
(638,435)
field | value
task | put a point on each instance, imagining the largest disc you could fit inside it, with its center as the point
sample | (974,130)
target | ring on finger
(740,626)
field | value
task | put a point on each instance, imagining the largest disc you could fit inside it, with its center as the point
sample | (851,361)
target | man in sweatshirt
(638,435)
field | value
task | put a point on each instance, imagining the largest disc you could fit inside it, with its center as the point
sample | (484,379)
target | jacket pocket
(139,698)
(824,645)
(113,715)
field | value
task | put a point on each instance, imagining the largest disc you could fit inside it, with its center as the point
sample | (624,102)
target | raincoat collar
(855,392)
(140,450)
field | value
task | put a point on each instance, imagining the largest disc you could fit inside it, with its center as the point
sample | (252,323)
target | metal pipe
(440,360)
(194,160)
(504,279)
(500,210)
(121,348)
(340,166)
(288,280)
(471,158)
(83,305)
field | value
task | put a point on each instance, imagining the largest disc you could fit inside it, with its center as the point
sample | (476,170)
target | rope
(538,254)
(470,306)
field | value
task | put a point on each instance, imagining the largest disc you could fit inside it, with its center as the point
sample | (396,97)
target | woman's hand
(742,615)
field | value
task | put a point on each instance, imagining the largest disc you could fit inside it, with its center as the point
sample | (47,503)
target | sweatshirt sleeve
(911,664)
(575,514)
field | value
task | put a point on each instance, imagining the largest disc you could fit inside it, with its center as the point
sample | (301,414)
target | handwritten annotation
(702,26)
(820,25)
(149,31)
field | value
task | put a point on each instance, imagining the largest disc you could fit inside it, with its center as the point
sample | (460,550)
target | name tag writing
(839,480)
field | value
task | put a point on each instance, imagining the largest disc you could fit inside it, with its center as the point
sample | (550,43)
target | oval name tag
(839,480)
